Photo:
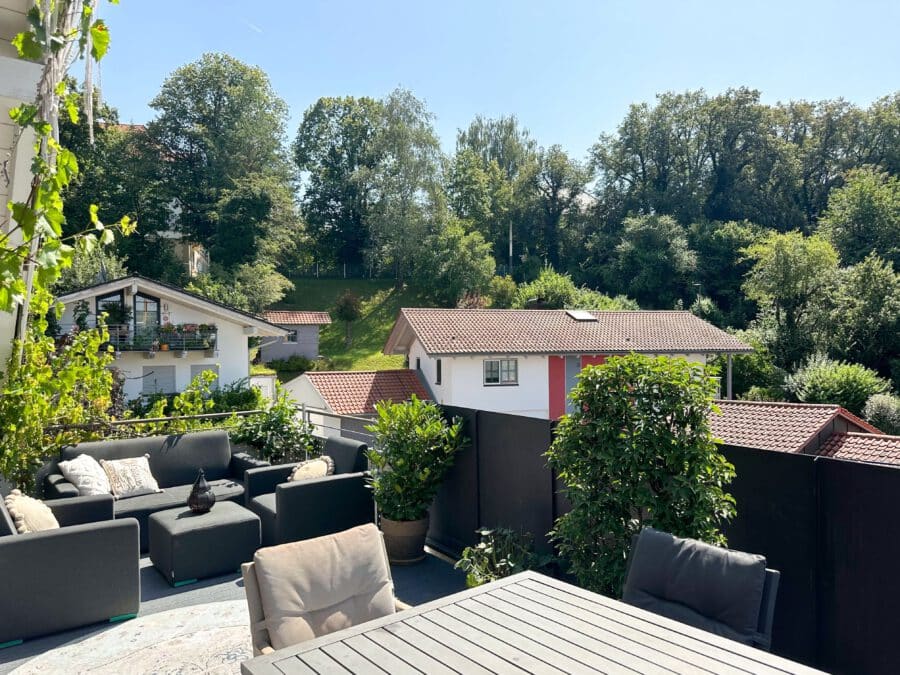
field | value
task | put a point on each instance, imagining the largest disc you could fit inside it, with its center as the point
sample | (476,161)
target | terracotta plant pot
(404,540)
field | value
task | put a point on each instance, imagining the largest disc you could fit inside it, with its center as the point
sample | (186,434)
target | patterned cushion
(29,515)
(130,477)
(313,468)
(86,474)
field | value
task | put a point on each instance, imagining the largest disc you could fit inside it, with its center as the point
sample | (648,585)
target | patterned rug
(210,638)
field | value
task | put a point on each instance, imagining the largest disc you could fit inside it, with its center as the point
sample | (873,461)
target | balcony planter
(180,354)
(404,540)
(150,355)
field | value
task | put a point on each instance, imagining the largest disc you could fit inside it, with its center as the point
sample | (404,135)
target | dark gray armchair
(85,572)
(726,592)
(292,511)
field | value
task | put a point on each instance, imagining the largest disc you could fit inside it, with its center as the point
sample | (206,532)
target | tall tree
(336,153)
(499,140)
(219,120)
(560,183)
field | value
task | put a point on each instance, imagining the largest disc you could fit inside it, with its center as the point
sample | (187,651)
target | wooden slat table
(527,623)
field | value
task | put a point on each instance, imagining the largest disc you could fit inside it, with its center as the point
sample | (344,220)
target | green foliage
(414,447)
(500,553)
(707,310)
(348,309)
(883,411)
(251,287)
(502,292)
(89,268)
(56,385)
(824,380)
(551,290)
(196,399)
(637,451)
(277,434)
(755,371)
(455,263)
(237,396)
(586,298)
(863,216)
(293,364)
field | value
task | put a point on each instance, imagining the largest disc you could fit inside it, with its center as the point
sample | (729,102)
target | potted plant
(166,335)
(118,316)
(414,447)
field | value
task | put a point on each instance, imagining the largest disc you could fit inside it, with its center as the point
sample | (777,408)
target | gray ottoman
(185,546)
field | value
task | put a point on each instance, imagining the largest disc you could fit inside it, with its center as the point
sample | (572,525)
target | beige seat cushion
(317,586)
(313,468)
(86,474)
(29,514)
(130,477)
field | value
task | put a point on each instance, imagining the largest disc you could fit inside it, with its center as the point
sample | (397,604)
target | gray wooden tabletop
(527,623)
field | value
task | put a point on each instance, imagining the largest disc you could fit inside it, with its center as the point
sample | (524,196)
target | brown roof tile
(553,331)
(357,392)
(876,448)
(768,425)
(290,318)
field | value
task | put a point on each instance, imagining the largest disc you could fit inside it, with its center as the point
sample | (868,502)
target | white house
(352,393)
(302,338)
(525,362)
(166,335)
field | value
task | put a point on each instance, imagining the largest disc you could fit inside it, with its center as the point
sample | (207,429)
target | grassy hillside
(380,302)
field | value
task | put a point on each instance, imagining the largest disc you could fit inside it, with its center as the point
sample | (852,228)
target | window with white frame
(501,371)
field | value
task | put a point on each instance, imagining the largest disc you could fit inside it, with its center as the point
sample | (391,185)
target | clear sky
(568,70)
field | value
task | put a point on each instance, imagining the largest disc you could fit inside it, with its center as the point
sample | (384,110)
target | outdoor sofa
(174,462)
(84,572)
(293,511)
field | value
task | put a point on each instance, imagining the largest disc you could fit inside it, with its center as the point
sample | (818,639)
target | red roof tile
(554,331)
(876,448)
(767,425)
(289,318)
(357,392)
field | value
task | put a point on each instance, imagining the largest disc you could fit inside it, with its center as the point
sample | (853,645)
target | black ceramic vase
(202,497)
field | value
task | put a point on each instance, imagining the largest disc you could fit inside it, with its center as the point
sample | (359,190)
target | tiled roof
(287,318)
(876,448)
(787,427)
(554,331)
(357,392)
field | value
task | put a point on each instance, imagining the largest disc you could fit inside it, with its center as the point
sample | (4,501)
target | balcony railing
(176,338)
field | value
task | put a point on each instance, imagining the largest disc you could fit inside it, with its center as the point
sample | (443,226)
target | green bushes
(276,434)
(637,451)
(883,411)
(824,380)
(501,552)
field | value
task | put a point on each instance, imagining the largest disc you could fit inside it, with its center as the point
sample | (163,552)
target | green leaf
(99,39)
(27,46)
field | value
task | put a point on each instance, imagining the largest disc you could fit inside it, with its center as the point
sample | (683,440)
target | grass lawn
(381,303)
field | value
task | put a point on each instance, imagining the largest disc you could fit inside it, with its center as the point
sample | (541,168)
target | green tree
(790,276)
(219,120)
(251,287)
(503,292)
(863,216)
(637,451)
(883,412)
(89,268)
(823,380)
(560,183)
(455,263)
(348,309)
(654,262)
(335,150)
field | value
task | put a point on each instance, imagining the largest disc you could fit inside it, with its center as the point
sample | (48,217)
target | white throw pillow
(86,474)
(130,477)
(313,468)
(29,514)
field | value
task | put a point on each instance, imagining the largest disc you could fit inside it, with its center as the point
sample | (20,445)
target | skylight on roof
(581,315)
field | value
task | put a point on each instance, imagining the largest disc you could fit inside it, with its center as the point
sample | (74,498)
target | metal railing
(126,338)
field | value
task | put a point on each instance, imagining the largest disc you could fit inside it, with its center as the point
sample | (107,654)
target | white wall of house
(232,359)
(529,397)
(307,344)
(302,391)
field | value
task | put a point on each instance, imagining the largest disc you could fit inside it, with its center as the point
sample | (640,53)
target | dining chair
(729,593)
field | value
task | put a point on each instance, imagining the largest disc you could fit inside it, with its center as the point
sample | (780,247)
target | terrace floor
(433,578)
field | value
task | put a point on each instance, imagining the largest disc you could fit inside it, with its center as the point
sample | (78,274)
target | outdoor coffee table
(186,546)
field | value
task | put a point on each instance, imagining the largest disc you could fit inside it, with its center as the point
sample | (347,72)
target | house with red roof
(525,362)
(302,337)
(826,430)
(352,393)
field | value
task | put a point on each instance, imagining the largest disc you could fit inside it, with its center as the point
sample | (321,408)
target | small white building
(302,337)
(166,336)
(526,361)
(352,393)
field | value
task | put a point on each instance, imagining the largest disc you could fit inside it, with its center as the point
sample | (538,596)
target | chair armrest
(56,486)
(68,577)
(299,511)
(401,606)
(80,510)
(264,480)
(241,462)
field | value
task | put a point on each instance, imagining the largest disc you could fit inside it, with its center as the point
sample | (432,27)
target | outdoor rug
(209,638)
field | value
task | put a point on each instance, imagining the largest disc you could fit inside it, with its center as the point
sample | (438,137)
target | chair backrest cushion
(258,633)
(174,460)
(349,456)
(317,586)
(711,588)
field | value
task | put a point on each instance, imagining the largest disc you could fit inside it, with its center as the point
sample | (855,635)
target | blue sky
(568,70)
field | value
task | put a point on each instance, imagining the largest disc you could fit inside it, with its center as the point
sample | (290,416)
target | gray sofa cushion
(349,456)
(7,526)
(174,460)
(711,588)
(142,506)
